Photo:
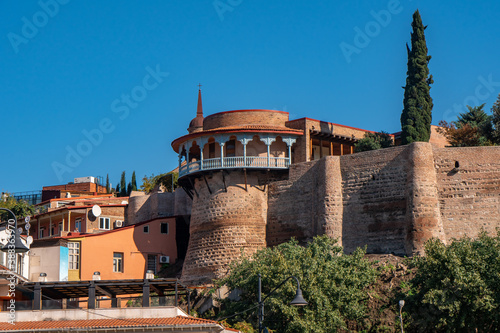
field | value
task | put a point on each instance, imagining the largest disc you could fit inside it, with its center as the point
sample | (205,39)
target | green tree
(129,189)
(373,141)
(108,186)
(118,189)
(20,208)
(417,111)
(456,288)
(472,128)
(495,110)
(123,185)
(167,180)
(332,283)
(134,182)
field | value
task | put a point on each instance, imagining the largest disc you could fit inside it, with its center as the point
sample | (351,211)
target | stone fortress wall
(390,200)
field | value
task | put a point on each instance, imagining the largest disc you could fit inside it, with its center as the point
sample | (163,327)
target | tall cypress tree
(123,185)
(108,186)
(134,182)
(417,111)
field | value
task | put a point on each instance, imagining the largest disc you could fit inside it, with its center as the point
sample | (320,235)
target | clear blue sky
(69,71)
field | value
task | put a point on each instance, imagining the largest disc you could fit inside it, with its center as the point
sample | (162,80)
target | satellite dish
(27,219)
(29,240)
(96,210)
(27,226)
(124,202)
(20,230)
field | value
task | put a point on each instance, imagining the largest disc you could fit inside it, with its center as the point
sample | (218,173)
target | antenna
(96,210)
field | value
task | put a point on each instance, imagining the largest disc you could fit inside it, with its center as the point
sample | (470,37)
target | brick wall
(437,139)
(144,207)
(245,117)
(113,213)
(78,187)
(387,200)
(224,224)
(469,195)
(391,201)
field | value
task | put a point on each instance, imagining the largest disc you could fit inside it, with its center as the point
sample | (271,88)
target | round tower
(224,166)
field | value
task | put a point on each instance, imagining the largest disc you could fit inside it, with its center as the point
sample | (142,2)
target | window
(152,262)
(104,223)
(74,255)
(52,228)
(164,228)
(60,227)
(118,262)
(78,225)
(211,150)
(230,148)
(40,233)
(146,229)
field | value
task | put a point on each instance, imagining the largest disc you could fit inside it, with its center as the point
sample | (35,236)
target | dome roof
(196,122)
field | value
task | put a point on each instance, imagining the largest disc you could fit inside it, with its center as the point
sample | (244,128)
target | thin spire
(199,111)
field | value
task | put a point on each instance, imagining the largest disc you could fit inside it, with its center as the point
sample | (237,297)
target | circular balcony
(236,150)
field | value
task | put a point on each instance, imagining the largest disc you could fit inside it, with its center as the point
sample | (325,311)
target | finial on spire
(199,110)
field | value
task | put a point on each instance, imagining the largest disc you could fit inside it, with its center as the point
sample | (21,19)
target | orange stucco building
(124,253)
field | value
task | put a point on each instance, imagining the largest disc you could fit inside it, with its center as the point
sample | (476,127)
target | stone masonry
(390,200)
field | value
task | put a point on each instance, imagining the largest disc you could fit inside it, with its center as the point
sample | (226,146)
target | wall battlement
(390,200)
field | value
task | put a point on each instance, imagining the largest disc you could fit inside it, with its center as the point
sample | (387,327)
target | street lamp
(14,243)
(297,301)
(401,304)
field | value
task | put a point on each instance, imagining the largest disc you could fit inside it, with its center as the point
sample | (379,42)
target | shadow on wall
(374,190)
(291,206)
(359,199)
(164,233)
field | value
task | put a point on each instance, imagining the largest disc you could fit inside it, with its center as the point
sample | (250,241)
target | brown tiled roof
(104,323)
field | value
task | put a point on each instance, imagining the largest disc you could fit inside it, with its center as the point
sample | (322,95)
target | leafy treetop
(332,283)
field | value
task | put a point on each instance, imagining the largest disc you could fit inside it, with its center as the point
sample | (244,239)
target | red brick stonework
(390,200)
(224,224)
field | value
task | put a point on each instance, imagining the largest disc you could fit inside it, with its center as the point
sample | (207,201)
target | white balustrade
(235,162)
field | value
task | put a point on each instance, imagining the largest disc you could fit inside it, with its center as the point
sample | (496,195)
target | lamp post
(297,301)
(14,243)
(401,304)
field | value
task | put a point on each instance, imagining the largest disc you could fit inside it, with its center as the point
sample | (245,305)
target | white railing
(235,162)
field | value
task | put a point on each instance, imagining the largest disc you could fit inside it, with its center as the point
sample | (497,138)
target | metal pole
(401,304)
(261,305)
(176,295)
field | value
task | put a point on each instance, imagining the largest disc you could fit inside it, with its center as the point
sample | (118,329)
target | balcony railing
(235,162)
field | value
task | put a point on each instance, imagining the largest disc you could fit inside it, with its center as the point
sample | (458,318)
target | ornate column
(222,141)
(289,142)
(187,156)
(202,145)
(221,144)
(244,141)
(268,141)
(180,158)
